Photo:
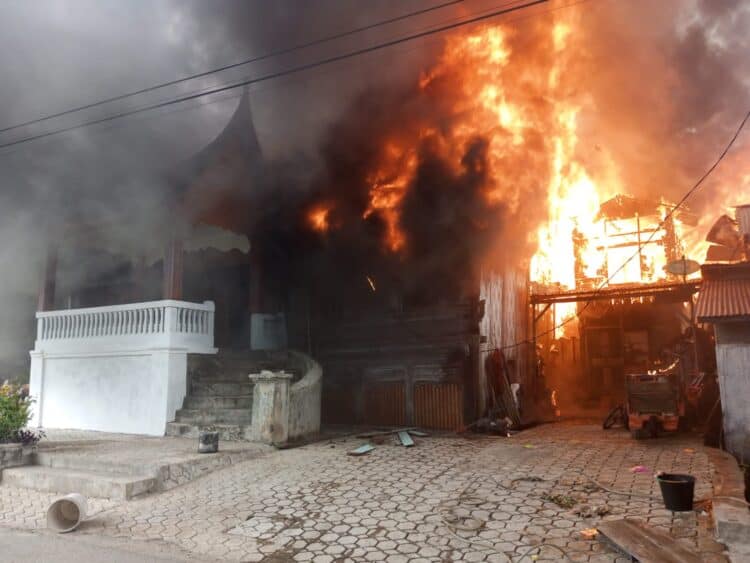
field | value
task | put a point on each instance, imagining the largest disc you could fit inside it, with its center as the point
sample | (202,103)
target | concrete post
(270,418)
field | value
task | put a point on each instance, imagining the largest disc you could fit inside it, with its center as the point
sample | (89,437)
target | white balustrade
(154,324)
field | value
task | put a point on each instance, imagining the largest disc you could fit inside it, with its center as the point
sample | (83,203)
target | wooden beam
(647,545)
(173,256)
(46,298)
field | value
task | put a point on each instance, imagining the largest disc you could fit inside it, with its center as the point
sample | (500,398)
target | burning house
(455,254)
(627,309)
(157,338)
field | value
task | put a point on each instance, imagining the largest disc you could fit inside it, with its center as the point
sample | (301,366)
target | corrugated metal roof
(723,299)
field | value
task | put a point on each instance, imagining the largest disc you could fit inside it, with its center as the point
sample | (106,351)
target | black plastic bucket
(677,491)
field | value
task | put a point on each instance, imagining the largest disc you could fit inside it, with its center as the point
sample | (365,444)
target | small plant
(15,413)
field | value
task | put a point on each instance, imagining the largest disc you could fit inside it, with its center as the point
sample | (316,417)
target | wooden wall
(505,323)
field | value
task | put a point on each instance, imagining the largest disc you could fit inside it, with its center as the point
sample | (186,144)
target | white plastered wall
(130,392)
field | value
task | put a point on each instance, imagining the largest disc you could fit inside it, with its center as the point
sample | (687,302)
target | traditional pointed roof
(218,182)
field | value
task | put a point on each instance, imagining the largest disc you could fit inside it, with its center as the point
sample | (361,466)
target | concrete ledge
(305,399)
(730,512)
(122,468)
(15,455)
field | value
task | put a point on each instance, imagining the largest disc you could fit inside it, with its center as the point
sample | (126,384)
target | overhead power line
(669,214)
(285,72)
(265,56)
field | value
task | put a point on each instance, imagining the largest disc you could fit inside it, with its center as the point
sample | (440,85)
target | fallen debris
(640,469)
(385,432)
(403,436)
(588,511)
(405,439)
(361,450)
(563,501)
(589,533)
(647,545)
(529,479)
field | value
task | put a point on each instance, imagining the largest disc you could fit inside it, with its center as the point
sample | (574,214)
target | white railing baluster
(165,323)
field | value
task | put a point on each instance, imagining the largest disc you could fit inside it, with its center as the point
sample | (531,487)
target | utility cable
(285,72)
(256,59)
(268,87)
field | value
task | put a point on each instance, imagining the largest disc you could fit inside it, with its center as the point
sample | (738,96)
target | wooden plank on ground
(418,433)
(406,440)
(384,432)
(647,545)
(361,450)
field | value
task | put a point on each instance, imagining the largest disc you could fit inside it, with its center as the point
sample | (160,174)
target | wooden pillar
(255,301)
(46,300)
(172,288)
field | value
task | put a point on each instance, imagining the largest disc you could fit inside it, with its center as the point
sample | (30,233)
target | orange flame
(526,108)
(317,218)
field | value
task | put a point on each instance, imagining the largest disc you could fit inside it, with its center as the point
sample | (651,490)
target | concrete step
(218,402)
(60,460)
(87,483)
(227,432)
(213,416)
(220,389)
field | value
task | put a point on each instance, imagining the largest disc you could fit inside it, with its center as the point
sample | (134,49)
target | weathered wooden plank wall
(505,323)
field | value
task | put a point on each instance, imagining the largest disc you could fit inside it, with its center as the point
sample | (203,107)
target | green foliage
(15,412)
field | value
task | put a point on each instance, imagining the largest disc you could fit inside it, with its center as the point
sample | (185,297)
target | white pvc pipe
(66,513)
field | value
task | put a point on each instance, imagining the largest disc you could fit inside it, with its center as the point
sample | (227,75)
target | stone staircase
(91,477)
(220,394)
(119,466)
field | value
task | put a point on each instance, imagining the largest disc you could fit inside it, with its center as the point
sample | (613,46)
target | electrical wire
(245,62)
(285,72)
(335,69)
(296,78)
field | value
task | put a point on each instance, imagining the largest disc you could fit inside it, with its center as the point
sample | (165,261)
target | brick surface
(447,499)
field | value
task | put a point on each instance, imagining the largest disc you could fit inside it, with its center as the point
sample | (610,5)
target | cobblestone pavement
(447,499)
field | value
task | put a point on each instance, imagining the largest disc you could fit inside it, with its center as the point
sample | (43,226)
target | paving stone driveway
(447,499)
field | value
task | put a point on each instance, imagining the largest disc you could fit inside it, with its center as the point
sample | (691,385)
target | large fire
(525,109)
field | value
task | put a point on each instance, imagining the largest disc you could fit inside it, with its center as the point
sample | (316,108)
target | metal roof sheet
(723,299)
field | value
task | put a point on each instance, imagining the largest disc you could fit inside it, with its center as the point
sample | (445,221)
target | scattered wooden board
(418,433)
(384,432)
(361,450)
(647,545)
(406,440)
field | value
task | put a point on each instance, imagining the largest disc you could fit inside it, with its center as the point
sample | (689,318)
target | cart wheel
(616,416)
